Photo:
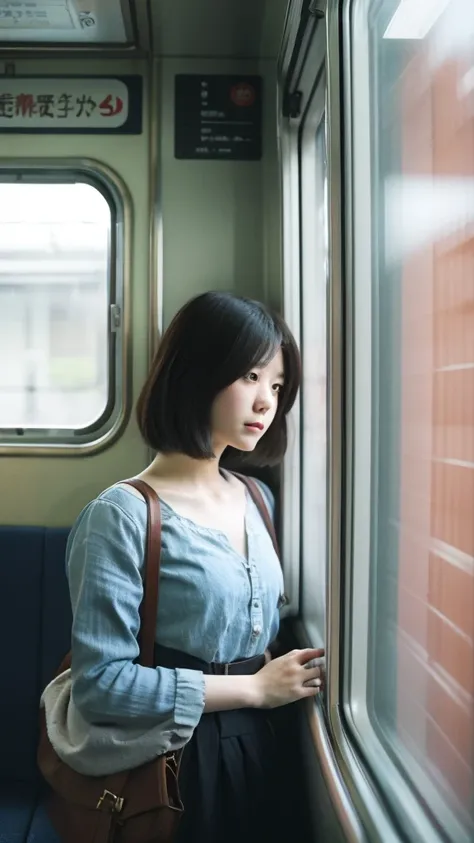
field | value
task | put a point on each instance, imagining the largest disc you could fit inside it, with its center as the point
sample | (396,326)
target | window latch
(115,317)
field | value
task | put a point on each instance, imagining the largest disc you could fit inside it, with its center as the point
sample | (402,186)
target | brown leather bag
(136,806)
(142,805)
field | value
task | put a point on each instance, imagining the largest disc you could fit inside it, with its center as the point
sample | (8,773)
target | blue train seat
(35,634)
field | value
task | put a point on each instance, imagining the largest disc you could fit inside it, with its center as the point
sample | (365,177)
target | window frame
(314,119)
(319,37)
(291,469)
(375,803)
(290,129)
(105,429)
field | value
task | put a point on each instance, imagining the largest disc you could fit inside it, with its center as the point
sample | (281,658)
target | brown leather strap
(103,821)
(259,502)
(151,593)
(108,811)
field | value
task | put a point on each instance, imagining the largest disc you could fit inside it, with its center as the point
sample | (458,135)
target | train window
(314,268)
(411,679)
(60,309)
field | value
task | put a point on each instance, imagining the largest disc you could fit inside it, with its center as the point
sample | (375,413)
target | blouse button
(257,629)
(255,603)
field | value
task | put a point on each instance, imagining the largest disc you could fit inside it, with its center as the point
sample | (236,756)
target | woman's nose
(263,400)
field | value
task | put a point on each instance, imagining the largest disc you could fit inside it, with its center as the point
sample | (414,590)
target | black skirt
(230,777)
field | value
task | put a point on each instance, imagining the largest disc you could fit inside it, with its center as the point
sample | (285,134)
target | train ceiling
(201,28)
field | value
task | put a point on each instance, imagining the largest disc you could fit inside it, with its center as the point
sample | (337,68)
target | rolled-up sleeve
(104,562)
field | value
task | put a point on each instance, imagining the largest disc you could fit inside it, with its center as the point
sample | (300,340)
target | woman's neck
(176,467)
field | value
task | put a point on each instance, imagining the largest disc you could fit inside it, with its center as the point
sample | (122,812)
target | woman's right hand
(286,679)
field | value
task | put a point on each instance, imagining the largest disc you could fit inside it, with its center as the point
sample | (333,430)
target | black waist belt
(166,657)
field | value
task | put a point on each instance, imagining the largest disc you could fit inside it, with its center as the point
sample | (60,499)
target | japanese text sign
(218,117)
(77,105)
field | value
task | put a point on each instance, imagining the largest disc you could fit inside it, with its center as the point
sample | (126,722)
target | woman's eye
(278,387)
(252,376)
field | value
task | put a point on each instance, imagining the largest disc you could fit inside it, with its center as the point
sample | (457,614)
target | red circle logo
(243,94)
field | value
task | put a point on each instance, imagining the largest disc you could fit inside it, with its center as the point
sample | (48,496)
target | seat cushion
(41,830)
(17,807)
(21,563)
(35,634)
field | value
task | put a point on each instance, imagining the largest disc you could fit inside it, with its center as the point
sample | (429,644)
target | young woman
(226,374)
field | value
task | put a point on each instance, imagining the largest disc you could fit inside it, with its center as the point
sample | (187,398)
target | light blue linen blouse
(214,604)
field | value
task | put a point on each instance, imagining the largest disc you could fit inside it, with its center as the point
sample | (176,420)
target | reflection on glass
(54,256)
(422,55)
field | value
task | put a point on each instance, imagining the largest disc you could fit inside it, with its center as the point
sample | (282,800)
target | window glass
(54,298)
(420,678)
(314,354)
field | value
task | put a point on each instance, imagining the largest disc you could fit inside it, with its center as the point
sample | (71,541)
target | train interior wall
(219,226)
(220,230)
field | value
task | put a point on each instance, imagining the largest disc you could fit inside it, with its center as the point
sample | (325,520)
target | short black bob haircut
(214,340)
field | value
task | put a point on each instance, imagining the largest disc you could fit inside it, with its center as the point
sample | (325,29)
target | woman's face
(243,411)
